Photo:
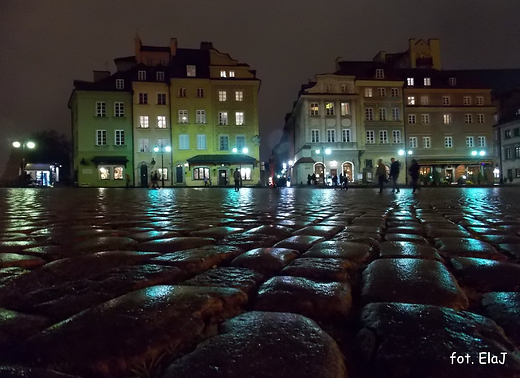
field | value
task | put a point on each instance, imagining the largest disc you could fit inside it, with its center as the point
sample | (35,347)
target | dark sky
(46,44)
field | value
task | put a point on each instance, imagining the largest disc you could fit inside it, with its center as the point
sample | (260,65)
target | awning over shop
(99,160)
(305,160)
(453,162)
(226,159)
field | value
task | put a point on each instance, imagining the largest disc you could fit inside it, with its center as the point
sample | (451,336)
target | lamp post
(244,151)
(402,153)
(23,145)
(162,149)
(481,168)
(327,152)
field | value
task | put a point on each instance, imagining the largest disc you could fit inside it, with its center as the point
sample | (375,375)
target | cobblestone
(258,283)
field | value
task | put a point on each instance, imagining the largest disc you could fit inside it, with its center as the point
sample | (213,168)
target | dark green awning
(222,159)
(98,160)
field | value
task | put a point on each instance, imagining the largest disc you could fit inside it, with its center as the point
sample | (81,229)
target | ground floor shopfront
(438,172)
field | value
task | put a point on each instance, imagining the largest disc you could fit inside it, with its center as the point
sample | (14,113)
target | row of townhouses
(188,115)
(396,105)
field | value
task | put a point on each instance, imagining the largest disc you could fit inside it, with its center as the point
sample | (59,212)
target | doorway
(222,177)
(144,176)
(449,175)
(179,174)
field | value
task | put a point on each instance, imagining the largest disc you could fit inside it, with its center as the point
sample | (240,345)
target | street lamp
(162,149)
(244,151)
(402,153)
(23,145)
(327,152)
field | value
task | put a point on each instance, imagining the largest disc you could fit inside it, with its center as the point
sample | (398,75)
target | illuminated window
(371,139)
(104,173)
(161,122)
(517,152)
(141,75)
(425,118)
(119,137)
(143,98)
(413,142)
(410,81)
(369,114)
(143,122)
(222,118)
(201,142)
(446,119)
(191,71)
(160,76)
(315,136)
(470,141)
(315,109)
(184,142)
(222,95)
(427,81)
(118,173)
(346,136)
(231,73)
(183,116)
(448,142)
(345,108)
(162,172)
(411,100)
(199,173)
(239,118)
(200,92)
(182,92)
(427,142)
(396,136)
(383,136)
(222,73)
(245,173)
(368,92)
(101,109)
(382,114)
(161,98)
(329,108)
(239,95)
(101,137)
(200,116)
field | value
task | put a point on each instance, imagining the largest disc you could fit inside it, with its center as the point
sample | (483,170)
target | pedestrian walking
(314,181)
(335,181)
(205,181)
(236,177)
(309,179)
(345,182)
(155,180)
(381,174)
(414,174)
(127,176)
(394,174)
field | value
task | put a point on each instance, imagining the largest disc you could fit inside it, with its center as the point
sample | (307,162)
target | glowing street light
(23,145)
(474,153)
(482,153)
(162,149)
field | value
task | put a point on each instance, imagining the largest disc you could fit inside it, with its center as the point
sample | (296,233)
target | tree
(51,148)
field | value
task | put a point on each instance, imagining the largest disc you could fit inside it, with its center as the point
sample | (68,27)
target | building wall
(510,142)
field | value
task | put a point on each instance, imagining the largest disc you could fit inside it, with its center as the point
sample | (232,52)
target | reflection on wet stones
(504,308)
(467,247)
(266,261)
(174,244)
(15,327)
(299,243)
(324,269)
(18,260)
(393,249)
(486,275)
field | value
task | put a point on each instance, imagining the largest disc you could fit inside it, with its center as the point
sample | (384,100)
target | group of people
(342,180)
(393,175)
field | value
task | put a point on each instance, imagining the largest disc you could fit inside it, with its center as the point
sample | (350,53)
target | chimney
(137,46)
(380,57)
(100,75)
(173,46)
(435,52)
(206,45)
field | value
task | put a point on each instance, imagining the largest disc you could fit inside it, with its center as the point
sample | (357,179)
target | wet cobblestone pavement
(260,283)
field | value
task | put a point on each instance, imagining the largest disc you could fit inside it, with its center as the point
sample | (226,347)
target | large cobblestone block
(267,261)
(504,308)
(467,247)
(486,275)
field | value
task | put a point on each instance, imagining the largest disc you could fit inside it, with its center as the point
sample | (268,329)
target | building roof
(222,159)
(195,57)
(155,48)
(305,160)
(499,80)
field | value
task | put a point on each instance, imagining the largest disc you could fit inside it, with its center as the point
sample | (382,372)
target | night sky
(46,44)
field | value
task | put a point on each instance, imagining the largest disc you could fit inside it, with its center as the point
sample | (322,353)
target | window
(200,92)
(409,81)
(369,163)
(239,118)
(159,76)
(396,136)
(470,141)
(200,173)
(201,142)
(448,142)
(382,114)
(245,173)
(368,92)
(184,142)
(495,118)
(200,116)
(162,142)
(411,100)
(427,142)
(162,62)
(104,173)
(425,100)
(381,92)
(119,137)
(508,153)
(517,172)
(425,118)
(327,87)
(120,84)
(480,118)
(453,81)
(412,118)
(516,132)
(507,134)
(222,73)
(331,135)
(468,118)
(345,136)
(101,109)
(329,108)
(183,116)
(191,71)
(315,109)
(467,100)
(182,92)
(395,114)
(161,122)
(517,152)
(446,119)
(239,95)
(143,98)
(240,142)
(371,139)
(144,145)
(161,98)
(383,136)
(162,173)
(445,100)
(119,109)
(143,122)
(315,136)
(141,75)
(380,73)
(345,108)
(101,137)
(222,95)
(222,118)
(413,142)
(482,141)
(223,143)
(369,114)
(345,88)
(480,100)
(231,73)
(395,92)
(427,81)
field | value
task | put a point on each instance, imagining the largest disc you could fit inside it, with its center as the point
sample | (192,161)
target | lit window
(104,173)
(410,81)
(480,100)
(412,118)
(413,142)
(446,119)
(445,100)
(448,142)
(329,108)
(345,108)
(245,173)
(396,136)
(200,173)
(184,142)
(470,141)
(183,116)
(223,143)
(345,136)
(239,95)
(162,173)
(368,92)
(101,137)
(467,100)
(425,118)
(383,136)
(425,100)
(468,118)
(427,143)
(395,114)
(222,118)
(239,118)
(118,173)
(369,114)
(191,71)
(427,81)
(143,98)
(381,92)
(119,109)
(382,114)
(160,76)
(201,142)
(120,84)
(161,98)
(200,116)
(200,92)
(371,139)
(182,92)
(331,135)
(231,73)
(222,95)
(395,92)
(141,75)
(161,122)
(222,73)
(411,100)
(143,122)
(380,73)
(315,110)
(119,137)
(315,136)
(101,109)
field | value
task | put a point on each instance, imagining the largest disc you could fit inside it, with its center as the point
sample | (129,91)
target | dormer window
(231,73)
(191,71)
(222,73)
(327,88)
(141,75)
(453,81)
(427,81)
(120,84)
(160,76)
(410,81)
(380,73)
